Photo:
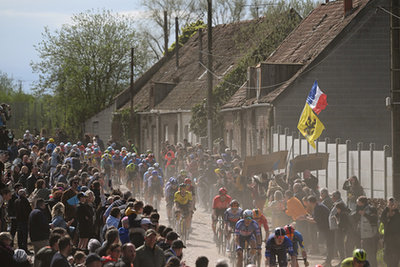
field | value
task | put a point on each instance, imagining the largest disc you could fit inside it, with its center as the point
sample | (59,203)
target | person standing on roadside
(39,228)
(149,255)
(390,218)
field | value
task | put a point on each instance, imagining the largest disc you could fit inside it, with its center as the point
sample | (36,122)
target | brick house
(344,45)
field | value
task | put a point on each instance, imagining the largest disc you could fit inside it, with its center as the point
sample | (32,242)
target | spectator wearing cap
(65,250)
(149,254)
(169,238)
(137,235)
(124,230)
(175,250)
(22,210)
(84,215)
(45,255)
(39,228)
(93,260)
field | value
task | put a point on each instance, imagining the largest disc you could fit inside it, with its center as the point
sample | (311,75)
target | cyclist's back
(348,262)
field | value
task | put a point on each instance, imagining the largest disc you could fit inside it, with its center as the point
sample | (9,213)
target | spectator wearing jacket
(39,229)
(149,254)
(22,211)
(390,218)
(368,225)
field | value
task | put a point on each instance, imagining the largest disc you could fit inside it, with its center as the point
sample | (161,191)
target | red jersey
(262,221)
(218,204)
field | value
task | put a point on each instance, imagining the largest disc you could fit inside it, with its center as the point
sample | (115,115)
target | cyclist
(131,177)
(182,176)
(106,166)
(171,187)
(190,188)
(158,168)
(145,180)
(262,221)
(247,230)
(359,259)
(278,244)
(156,185)
(220,204)
(150,159)
(183,204)
(231,216)
(118,166)
(297,240)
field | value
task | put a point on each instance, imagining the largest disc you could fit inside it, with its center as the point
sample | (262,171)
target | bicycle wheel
(232,254)
(219,240)
(183,230)
(223,245)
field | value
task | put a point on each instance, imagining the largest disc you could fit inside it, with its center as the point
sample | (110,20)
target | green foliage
(86,64)
(187,32)
(279,23)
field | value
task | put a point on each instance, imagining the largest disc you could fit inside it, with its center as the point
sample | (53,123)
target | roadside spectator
(112,237)
(390,218)
(93,260)
(149,254)
(175,250)
(326,199)
(354,190)
(22,211)
(39,229)
(202,261)
(6,251)
(124,231)
(368,228)
(45,255)
(84,215)
(320,216)
(128,256)
(65,249)
(114,252)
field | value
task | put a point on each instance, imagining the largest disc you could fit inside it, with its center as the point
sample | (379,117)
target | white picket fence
(372,166)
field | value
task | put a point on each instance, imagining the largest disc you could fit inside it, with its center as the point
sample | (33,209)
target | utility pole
(395,94)
(165,33)
(131,95)
(209,76)
(176,43)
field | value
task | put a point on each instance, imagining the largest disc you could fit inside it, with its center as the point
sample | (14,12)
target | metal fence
(372,166)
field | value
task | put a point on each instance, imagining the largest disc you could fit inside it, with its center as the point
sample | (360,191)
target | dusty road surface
(201,243)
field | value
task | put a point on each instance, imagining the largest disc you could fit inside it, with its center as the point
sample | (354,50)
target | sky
(23,22)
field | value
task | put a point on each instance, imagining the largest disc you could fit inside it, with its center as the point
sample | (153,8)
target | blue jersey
(297,240)
(232,218)
(243,230)
(271,248)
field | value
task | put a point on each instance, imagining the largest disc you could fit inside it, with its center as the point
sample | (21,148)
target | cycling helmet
(154,173)
(96,150)
(79,143)
(148,152)
(223,191)
(129,155)
(133,154)
(182,185)
(183,172)
(247,214)
(289,229)
(234,203)
(256,213)
(172,180)
(151,169)
(89,144)
(151,155)
(62,144)
(280,231)
(359,254)
(143,156)
(123,149)
(117,151)
(187,181)
(156,165)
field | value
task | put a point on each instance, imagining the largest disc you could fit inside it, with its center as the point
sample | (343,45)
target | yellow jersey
(183,200)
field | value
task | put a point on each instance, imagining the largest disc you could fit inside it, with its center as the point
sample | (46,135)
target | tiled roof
(305,43)
(230,43)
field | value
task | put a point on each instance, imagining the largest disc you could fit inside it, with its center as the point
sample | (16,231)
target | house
(164,95)
(345,45)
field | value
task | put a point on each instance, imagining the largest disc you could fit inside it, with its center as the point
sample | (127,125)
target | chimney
(348,6)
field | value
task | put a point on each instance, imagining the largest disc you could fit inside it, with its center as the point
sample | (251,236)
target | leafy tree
(85,64)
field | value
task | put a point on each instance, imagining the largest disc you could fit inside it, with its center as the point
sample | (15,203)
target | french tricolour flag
(316,99)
